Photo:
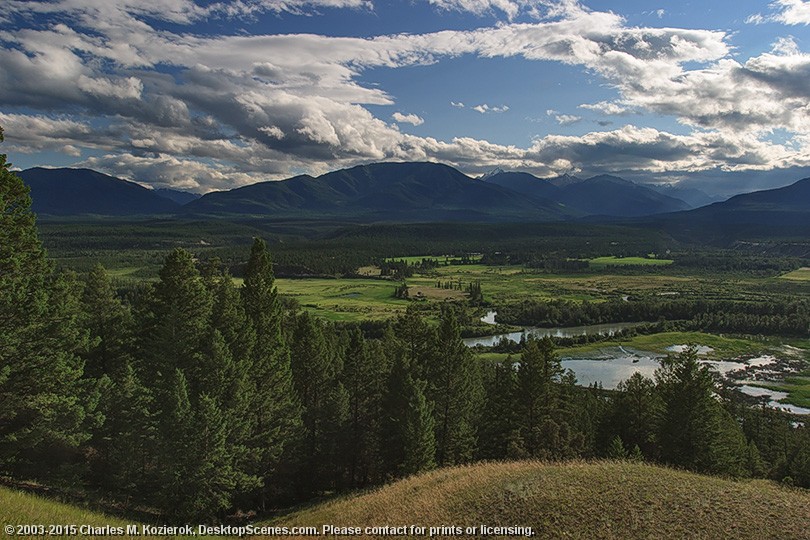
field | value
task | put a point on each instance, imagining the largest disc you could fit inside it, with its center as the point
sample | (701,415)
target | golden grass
(606,500)
(802,274)
(18,508)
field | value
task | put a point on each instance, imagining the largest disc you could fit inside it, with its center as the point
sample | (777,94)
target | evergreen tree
(420,442)
(395,403)
(499,429)
(198,477)
(180,319)
(545,398)
(42,403)
(361,378)
(415,338)
(274,409)
(635,413)
(125,443)
(616,449)
(110,326)
(695,432)
(316,368)
(455,391)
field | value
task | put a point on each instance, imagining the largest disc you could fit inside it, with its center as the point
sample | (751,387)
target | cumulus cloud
(567,119)
(457,104)
(792,12)
(407,119)
(259,106)
(484,108)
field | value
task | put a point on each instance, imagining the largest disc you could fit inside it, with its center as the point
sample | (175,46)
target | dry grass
(435,293)
(602,500)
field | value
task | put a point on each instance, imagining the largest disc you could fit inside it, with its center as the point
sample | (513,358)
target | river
(561,332)
(614,364)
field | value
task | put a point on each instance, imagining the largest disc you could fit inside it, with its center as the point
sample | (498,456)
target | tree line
(778,316)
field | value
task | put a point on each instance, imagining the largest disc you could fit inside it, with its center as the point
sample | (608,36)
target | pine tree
(456,393)
(125,443)
(274,409)
(635,413)
(616,449)
(695,432)
(499,420)
(109,323)
(415,338)
(180,319)
(316,367)
(420,441)
(42,402)
(361,379)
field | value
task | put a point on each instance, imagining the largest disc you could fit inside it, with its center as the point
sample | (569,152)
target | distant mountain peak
(494,172)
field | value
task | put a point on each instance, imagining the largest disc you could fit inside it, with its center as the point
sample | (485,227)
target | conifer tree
(274,409)
(109,323)
(316,367)
(181,315)
(455,391)
(42,403)
(125,443)
(695,432)
(635,413)
(361,379)
(415,338)
(418,430)
(499,420)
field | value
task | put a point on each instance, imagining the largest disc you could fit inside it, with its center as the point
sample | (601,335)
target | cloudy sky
(212,94)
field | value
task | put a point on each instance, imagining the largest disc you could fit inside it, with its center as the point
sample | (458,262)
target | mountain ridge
(68,191)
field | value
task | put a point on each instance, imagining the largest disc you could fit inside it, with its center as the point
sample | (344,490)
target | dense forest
(195,398)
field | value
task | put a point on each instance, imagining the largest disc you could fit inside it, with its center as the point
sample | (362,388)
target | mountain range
(412,192)
(68,192)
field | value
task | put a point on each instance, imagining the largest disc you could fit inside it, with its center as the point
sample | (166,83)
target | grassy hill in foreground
(577,500)
(19,508)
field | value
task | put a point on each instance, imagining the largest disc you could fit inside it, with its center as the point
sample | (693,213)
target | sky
(208,95)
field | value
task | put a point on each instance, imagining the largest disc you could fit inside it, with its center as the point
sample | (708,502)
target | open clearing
(600,262)
(802,274)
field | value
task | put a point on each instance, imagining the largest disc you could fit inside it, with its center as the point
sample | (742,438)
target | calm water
(570,331)
(616,364)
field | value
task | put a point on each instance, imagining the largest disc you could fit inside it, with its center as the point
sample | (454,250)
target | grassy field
(345,299)
(802,274)
(354,299)
(725,348)
(19,508)
(601,262)
(606,500)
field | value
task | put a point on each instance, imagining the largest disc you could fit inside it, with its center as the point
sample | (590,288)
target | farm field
(802,274)
(628,261)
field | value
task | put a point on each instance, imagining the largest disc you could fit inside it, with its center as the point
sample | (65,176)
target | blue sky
(213,94)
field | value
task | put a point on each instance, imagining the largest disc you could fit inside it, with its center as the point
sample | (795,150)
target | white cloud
(407,119)
(606,107)
(792,12)
(484,108)
(536,9)
(263,105)
(567,119)
(457,104)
